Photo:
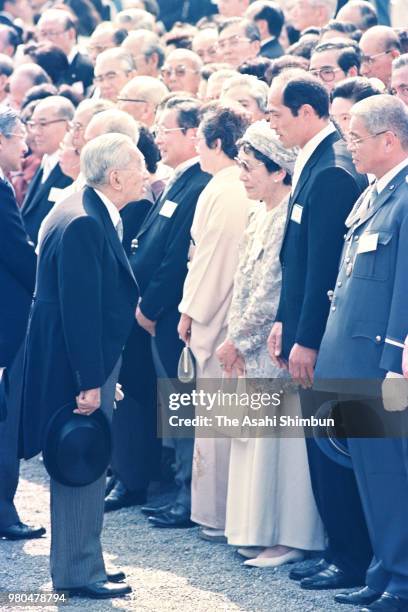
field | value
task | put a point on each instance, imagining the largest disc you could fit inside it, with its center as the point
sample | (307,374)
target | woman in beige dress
(219,223)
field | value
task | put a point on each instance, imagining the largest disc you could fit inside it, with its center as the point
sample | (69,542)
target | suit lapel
(382,197)
(36,181)
(42,189)
(307,169)
(172,193)
(93,204)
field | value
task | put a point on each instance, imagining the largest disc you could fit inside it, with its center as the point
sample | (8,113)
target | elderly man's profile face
(205,44)
(13,148)
(128,182)
(241,94)
(111,75)
(376,60)
(235,47)
(366,149)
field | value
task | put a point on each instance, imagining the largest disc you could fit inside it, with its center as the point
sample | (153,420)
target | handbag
(186,368)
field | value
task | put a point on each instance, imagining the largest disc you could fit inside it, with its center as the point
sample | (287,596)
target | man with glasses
(364,340)
(113,69)
(399,78)
(333,61)
(205,45)
(58,27)
(379,47)
(141,96)
(181,71)
(17,277)
(159,260)
(147,52)
(238,41)
(48,126)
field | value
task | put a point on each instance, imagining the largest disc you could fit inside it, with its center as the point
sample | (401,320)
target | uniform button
(356,237)
(348,259)
(378,338)
(333,308)
(345,236)
(339,284)
(330,294)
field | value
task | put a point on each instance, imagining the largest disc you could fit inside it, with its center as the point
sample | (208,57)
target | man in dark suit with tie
(58,27)
(159,261)
(364,339)
(49,124)
(17,276)
(82,313)
(325,186)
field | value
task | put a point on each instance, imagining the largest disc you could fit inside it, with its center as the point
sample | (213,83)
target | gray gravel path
(169,570)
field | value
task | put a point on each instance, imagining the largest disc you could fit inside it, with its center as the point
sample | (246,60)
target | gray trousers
(77,518)
(9,463)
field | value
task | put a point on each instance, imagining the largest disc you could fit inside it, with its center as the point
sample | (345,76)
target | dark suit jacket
(80,69)
(82,313)
(36,205)
(17,276)
(324,195)
(160,261)
(271,49)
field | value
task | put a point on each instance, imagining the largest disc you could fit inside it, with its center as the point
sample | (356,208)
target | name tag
(297,212)
(367,243)
(168,209)
(55,194)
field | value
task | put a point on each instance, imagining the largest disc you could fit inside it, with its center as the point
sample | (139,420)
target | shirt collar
(186,165)
(48,163)
(311,146)
(2,175)
(387,178)
(72,54)
(111,208)
(265,41)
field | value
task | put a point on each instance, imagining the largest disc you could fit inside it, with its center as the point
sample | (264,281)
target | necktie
(119,229)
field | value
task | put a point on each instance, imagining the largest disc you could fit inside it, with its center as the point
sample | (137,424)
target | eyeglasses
(211,51)
(159,130)
(402,90)
(109,76)
(326,74)
(18,134)
(179,71)
(32,125)
(50,33)
(232,41)
(131,100)
(243,164)
(355,142)
(370,59)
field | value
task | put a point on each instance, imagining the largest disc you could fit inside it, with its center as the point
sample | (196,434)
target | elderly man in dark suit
(159,261)
(325,186)
(58,27)
(364,339)
(17,276)
(82,313)
(49,124)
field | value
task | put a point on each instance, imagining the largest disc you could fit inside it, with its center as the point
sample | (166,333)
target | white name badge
(296,215)
(55,194)
(168,209)
(367,243)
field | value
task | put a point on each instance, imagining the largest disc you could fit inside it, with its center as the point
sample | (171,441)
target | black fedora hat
(77,448)
(332,440)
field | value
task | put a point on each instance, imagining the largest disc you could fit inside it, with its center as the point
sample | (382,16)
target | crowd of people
(235,182)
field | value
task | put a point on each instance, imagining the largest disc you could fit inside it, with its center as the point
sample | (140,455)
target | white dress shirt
(307,151)
(388,176)
(113,213)
(48,164)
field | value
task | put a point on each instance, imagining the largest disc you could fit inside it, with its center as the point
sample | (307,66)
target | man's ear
(114,180)
(153,60)
(352,72)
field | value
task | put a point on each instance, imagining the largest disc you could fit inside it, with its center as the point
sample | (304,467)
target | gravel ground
(169,570)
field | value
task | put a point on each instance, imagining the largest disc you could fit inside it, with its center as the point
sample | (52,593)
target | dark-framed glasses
(32,125)
(326,74)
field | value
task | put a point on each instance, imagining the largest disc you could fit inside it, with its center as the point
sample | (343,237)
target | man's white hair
(114,120)
(384,113)
(257,89)
(102,155)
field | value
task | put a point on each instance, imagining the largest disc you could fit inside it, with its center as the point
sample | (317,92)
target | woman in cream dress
(270,501)
(219,223)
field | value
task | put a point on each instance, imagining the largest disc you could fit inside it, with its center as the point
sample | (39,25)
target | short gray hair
(8,120)
(257,89)
(62,106)
(115,121)
(330,5)
(103,154)
(118,54)
(384,113)
(400,62)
